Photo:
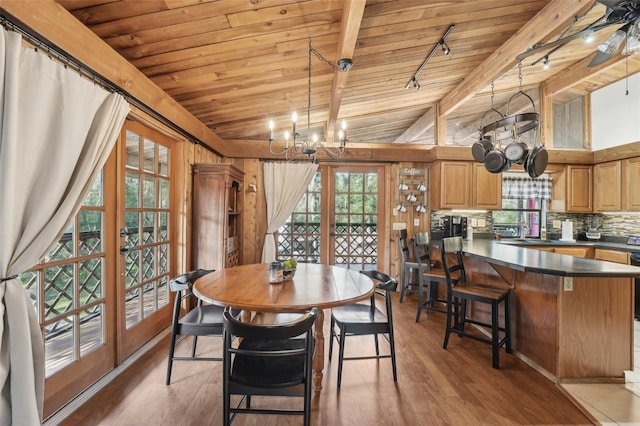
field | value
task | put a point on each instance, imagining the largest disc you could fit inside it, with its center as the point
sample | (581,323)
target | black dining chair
(430,274)
(202,320)
(267,360)
(407,266)
(366,319)
(460,292)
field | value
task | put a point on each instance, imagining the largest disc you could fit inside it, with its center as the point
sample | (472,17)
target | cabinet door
(486,188)
(455,185)
(573,251)
(607,191)
(630,187)
(579,184)
(611,255)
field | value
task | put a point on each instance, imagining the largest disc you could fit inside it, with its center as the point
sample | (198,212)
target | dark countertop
(557,243)
(509,254)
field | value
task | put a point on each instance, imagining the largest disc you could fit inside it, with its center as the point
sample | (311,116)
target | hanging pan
(537,160)
(496,161)
(480,149)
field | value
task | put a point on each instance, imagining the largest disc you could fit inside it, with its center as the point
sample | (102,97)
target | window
(524,203)
(516,216)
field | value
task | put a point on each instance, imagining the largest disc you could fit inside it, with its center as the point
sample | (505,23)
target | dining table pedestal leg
(318,356)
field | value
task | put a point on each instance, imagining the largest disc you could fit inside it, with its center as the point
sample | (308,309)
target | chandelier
(292,145)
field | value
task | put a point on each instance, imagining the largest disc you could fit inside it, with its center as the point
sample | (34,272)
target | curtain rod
(85,71)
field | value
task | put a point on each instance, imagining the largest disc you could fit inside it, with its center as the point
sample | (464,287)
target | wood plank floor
(456,386)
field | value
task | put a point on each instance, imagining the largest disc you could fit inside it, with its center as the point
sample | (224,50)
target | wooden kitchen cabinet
(579,188)
(464,185)
(630,187)
(217,216)
(607,190)
(486,188)
(586,252)
(611,255)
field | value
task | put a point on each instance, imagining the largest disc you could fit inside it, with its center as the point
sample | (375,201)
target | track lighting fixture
(442,44)
(545,63)
(445,47)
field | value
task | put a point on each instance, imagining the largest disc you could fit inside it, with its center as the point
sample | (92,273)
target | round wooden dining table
(247,287)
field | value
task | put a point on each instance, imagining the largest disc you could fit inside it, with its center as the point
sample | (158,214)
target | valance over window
(525,188)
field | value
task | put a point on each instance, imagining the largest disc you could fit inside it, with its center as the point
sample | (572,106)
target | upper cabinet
(614,187)
(579,183)
(607,190)
(464,185)
(630,187)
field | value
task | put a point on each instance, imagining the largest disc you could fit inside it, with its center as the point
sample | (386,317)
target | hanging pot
(480,149)
(517,151)
(537,161)
(495,161)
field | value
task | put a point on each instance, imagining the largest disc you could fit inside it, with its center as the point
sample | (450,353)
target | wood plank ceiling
(235,64)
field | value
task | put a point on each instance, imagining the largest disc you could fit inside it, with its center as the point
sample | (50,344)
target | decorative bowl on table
(288,274)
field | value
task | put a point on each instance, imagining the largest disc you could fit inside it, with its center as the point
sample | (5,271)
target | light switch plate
(482,223)
(474,221)
(416,222)
(557,224)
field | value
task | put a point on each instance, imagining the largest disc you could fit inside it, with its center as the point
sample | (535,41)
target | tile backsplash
(620,224)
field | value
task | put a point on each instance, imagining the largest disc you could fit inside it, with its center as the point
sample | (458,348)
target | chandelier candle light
(312,144)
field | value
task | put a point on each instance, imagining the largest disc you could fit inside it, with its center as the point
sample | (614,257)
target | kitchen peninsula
(572,318)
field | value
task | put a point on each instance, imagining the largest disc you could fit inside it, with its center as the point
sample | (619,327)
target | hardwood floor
(456,386)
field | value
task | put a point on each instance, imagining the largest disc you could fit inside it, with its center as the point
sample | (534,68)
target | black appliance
(634,260)
(455,226)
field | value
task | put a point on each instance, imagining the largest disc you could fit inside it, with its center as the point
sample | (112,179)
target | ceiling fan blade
(562,41)
(599,58)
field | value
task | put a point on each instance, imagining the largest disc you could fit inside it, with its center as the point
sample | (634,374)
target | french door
(102,290)
(337,220)
(356,206)
(146,235)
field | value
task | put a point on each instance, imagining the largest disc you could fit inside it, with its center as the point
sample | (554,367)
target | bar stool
(430,274)
(459,292)
(407,266)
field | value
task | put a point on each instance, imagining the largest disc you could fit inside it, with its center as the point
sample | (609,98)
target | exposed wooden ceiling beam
(546,22)
(350,27)
(577,73)
(421,125)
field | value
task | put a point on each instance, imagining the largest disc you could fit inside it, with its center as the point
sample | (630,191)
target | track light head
(445,48)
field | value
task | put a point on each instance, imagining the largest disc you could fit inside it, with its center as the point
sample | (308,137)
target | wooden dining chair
(366,319)
(407,266)
(430,274)
(460,292)
(203,320)
(267,360)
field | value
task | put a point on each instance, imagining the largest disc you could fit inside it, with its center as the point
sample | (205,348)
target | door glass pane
(163,160)
(149,156)
(59,281)
(59,344)
(132,308)
(91,327)
(133,150)
(131,190)
(149,192)
(64,248)
(90,232)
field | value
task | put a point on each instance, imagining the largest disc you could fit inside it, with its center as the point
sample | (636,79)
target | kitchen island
(572,318)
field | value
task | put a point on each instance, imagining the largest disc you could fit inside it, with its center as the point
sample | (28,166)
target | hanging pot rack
(489,150)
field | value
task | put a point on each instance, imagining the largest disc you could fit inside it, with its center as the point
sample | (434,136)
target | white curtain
(56,132)
(284,185)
